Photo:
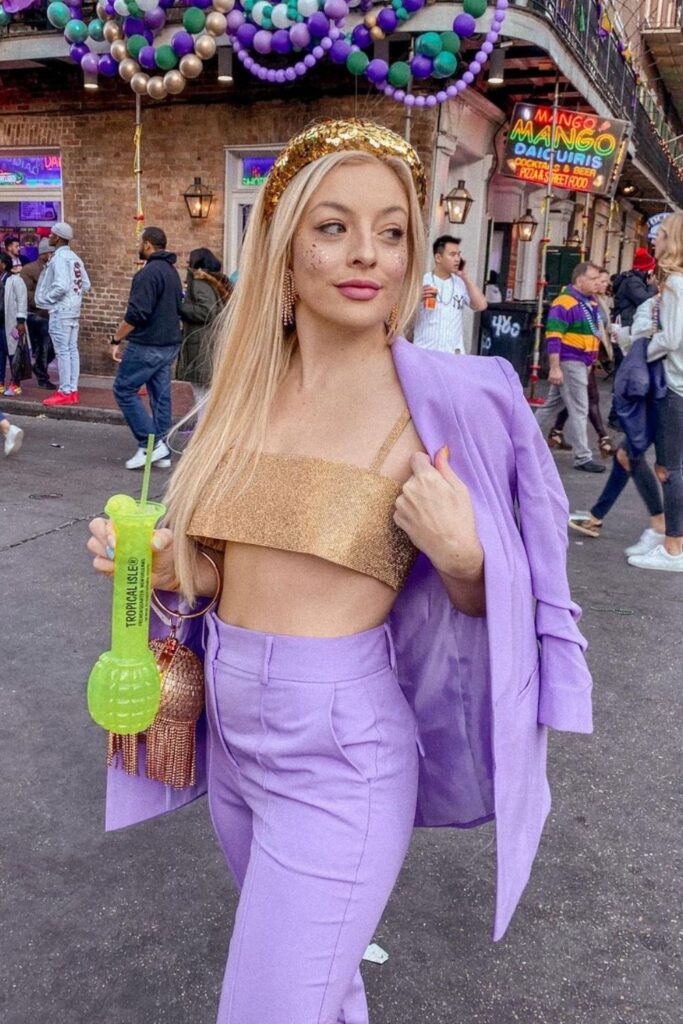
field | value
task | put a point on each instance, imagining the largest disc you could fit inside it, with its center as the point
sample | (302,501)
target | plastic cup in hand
(124,688)
(430,298)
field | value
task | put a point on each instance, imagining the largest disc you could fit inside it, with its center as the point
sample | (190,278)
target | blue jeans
(644,479)
(669,449)
(64,334)
(149,365)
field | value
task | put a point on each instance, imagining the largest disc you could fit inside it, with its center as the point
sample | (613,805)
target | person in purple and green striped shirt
(573,340)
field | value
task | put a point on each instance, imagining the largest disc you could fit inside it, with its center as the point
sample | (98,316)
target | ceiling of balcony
(666,47)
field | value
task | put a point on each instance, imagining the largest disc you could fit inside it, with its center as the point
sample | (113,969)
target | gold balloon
(118,50)
(377,33)
(205,47)
(224,6)
(112,31)
(190,65)
(156,88)
(216,24)
(138,83)
(174,82)
(101,11)
(127,68)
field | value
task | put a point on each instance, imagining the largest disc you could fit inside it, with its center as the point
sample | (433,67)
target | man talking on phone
(446,290)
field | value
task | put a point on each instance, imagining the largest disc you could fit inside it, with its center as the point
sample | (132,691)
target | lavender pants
(312,771)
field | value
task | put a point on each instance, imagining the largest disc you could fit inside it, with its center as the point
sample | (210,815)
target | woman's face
(661,239)
(350,251)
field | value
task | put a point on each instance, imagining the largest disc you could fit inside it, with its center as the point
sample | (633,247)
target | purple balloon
(246,33)
(146,58)
(166,3)
(182,43)
(387,20)
(300,36)
(361,37)
(413,5)
(107,65)
(155,19)
(133,27)
(281,42)
(339,51)
(75,12)
(91,63)
(78,51)
(336,9)
(464,26)
(421,66)
(235,19)
(263,41)
(110,9)
(377,70)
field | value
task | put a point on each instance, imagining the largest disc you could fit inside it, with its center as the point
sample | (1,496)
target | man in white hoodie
(60,290)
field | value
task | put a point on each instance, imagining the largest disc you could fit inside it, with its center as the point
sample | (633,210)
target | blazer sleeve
(565,681)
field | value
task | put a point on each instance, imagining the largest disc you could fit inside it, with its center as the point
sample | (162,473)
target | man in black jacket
(151,329)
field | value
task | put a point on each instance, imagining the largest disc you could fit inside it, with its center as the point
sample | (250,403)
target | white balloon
(258,12)
(147,5)
(121,7)
(307,7)
(279,17)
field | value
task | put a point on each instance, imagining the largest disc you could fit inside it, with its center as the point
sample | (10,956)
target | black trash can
(507,329)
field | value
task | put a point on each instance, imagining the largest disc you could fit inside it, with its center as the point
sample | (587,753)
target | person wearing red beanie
(644,261)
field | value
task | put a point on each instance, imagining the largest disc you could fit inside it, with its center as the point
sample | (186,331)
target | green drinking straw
(124,688)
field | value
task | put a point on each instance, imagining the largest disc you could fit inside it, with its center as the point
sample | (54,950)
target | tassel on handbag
(170,740)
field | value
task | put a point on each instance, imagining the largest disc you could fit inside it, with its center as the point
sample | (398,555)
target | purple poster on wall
(39,170)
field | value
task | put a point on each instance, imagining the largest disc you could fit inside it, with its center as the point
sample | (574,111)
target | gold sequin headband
(332,136)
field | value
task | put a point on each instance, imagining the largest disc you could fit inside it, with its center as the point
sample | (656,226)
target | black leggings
(644,479)
(669,449)
(594,414)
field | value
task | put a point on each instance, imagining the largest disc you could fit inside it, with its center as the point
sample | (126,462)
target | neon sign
(588,149)
(42,170)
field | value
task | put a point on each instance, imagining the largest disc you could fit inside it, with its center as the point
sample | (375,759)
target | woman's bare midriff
(288,593)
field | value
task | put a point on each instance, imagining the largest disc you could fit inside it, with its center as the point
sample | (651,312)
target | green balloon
(59,15)
(5,18)
(475,7)
(96,30)
(166,58)
(429,44)
(445,64)
(451,42)
(134,45)
(357,62)
(194,20)
(399,74)
(133,9)
(76,31)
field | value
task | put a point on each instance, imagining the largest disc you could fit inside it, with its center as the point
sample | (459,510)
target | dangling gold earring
(289,297)
(392,322)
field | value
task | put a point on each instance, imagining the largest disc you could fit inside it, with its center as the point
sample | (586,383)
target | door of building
(246,169)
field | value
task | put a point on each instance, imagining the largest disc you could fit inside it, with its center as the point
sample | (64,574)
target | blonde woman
(667,344)
(362,499)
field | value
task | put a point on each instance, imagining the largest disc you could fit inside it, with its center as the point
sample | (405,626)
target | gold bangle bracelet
(159,604)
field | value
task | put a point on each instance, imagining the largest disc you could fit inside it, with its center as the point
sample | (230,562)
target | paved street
(132,927)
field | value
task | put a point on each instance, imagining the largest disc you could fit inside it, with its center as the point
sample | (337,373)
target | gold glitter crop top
(300,503)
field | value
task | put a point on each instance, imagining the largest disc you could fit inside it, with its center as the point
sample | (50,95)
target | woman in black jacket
(207,292)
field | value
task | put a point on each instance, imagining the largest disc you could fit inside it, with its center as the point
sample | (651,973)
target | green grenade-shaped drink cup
(124,688)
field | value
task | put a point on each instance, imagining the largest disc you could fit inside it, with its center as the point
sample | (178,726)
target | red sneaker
(59,398)
(75,398)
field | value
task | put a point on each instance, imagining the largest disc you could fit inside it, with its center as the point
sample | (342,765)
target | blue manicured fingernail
(109,552)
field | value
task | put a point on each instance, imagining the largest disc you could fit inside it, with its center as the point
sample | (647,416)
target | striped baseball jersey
(442,328)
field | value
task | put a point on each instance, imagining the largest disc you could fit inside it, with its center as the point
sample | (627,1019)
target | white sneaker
(648,541)
(13,440)
(163,463)
(160,451)
(659,558)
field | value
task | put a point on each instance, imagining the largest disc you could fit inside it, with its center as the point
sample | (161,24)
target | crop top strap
(391,439)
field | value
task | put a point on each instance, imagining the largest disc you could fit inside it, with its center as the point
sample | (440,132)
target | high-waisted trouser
(312,770)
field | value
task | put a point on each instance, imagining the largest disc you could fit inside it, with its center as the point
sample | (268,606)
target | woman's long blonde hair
(671,260)
(253,351)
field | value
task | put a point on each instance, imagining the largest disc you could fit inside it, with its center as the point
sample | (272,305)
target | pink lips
(361,291)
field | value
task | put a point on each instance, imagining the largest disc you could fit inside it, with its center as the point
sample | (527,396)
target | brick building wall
(181,138)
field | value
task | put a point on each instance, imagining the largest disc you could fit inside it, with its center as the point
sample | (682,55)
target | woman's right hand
(102,544)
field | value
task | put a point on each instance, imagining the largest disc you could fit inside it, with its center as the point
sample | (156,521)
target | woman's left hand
(435,510)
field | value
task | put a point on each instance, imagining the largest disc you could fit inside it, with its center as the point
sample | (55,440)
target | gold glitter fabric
(332,136)
(339,512)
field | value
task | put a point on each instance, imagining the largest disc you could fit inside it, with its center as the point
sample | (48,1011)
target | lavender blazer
(484,691)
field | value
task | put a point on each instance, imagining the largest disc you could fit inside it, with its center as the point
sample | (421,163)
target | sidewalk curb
(85,413)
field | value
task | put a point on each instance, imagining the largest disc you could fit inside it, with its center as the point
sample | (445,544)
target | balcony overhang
(666,47)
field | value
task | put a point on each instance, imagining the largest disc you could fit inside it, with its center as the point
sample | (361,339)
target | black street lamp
(458,203)
(526,226)
(198,199)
